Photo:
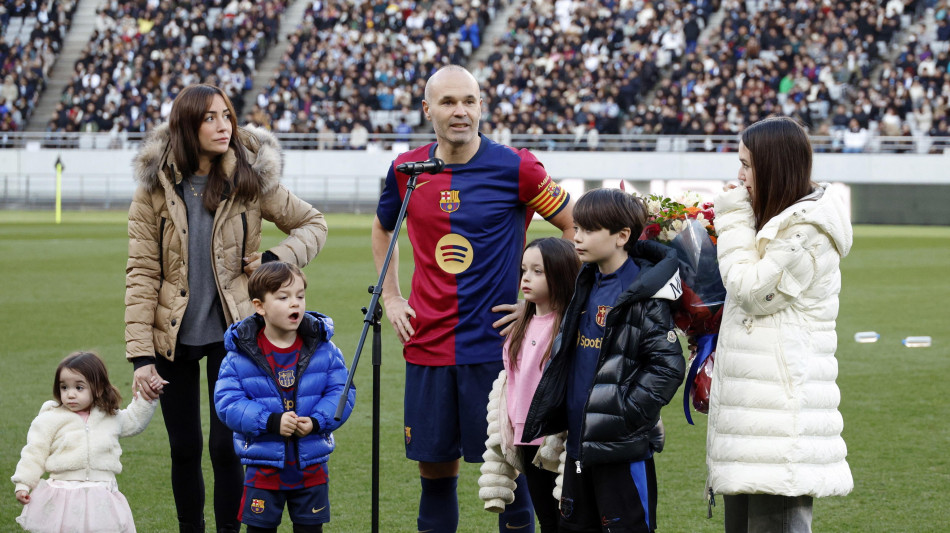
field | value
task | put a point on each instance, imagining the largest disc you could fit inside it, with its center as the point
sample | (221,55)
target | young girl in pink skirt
(76,439)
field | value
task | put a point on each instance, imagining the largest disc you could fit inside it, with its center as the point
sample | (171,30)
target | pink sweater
(523,379)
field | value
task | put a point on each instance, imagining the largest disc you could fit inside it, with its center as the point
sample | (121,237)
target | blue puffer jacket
(246,393)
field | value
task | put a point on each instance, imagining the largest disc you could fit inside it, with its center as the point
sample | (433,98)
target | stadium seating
(583,67)
(630,68)
(821,63)
(142,53)
(579,69)
(355,67)
(32,36)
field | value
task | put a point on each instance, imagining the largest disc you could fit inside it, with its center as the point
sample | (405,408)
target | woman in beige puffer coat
(194,230)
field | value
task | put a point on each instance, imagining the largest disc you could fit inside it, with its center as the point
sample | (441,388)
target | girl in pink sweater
(549,268)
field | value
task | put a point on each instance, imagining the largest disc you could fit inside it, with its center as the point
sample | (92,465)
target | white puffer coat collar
(829,214)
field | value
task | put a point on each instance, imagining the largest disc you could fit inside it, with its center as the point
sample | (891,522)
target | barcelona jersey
(467,227)
(283,363)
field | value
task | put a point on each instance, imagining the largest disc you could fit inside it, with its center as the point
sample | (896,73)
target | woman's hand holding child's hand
(288,424)
(23,496)
(148,383)
(304,426)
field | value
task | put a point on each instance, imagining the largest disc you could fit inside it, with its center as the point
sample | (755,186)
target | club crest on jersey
(257,505)
(601,317)
(449,201)
(408,434)
(554,189)
(286,378)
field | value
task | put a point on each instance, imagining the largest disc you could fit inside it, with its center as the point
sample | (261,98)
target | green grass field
(63,287)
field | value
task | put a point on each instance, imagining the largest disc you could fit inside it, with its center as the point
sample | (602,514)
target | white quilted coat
(774,425)
(503,462)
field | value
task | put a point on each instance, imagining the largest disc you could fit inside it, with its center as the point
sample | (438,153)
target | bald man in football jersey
(467,225)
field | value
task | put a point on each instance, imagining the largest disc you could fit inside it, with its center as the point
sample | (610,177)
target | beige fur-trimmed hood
(262,150)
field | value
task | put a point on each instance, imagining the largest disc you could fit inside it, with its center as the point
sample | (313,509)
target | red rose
(651,232)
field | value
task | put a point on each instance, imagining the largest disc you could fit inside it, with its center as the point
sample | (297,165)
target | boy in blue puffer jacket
(278,390)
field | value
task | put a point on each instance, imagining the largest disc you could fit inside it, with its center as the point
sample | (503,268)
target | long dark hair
(104,395)
(781,160)
(188,110)
(561,266)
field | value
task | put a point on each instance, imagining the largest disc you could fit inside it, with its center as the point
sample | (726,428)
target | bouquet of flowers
(686,225)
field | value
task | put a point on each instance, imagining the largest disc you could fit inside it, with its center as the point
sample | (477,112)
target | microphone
(432,166)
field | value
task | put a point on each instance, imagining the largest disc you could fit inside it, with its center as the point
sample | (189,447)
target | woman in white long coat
(774,436)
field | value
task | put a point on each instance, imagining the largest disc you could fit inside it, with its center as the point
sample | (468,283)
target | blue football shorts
(444,411)
(264,507)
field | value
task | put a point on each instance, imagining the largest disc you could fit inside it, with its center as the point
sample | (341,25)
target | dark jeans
(181,408)
(768,513)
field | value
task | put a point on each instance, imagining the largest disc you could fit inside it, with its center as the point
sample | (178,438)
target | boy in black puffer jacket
(616,363)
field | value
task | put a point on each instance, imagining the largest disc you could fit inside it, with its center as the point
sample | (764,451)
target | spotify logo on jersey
(453,253)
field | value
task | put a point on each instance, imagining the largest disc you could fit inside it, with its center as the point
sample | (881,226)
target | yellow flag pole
(59,190)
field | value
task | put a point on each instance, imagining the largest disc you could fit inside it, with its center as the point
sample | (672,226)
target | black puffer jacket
(640,366)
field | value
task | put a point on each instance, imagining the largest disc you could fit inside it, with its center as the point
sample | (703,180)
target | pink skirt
(77,507)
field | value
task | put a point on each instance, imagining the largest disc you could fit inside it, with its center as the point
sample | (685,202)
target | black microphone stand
(372,315)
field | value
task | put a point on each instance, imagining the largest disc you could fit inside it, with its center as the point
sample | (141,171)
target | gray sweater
(203,322)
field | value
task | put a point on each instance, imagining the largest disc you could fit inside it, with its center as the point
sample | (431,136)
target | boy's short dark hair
(270,277)
(613,210)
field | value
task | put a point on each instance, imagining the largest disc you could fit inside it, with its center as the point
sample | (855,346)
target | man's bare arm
(564,221)
(397,308)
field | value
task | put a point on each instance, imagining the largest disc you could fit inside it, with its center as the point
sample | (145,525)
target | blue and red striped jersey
(467,227)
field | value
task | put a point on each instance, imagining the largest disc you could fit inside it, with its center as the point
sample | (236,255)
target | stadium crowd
(355,67)
(825,64)
(582,67)
(866,74)
(141,54)
(32,36)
